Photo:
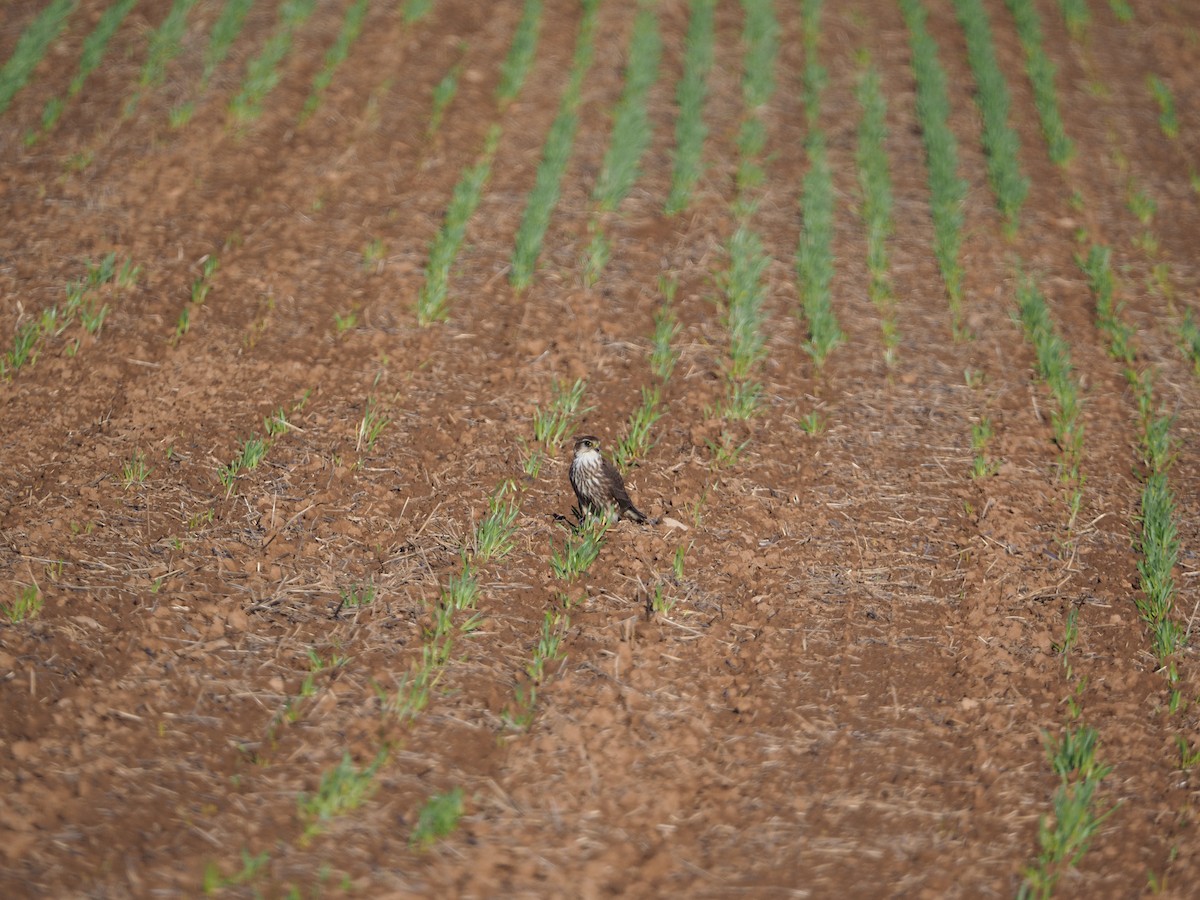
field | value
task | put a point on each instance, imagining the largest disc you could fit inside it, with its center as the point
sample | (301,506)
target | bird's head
(586,445)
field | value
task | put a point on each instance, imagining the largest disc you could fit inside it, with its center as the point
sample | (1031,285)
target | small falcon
(597,483)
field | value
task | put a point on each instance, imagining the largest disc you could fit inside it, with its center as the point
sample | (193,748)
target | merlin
(597,483)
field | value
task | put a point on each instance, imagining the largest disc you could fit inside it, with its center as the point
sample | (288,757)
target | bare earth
(850,693)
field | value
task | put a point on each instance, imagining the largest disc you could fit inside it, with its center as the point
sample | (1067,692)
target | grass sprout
(443,94)
(225,31)
(371,427)
(637,434)
(166,42)
(1053,363)
(1168,121)
(437,819)
(551,426)
(1189,337)
(252,453)
(252,867)
(27,604)
(580,550)
(343,789)
(95,45)
(665,354)
(134,471)
(743,317)
(358,595)
(1097,266)
(494,534)
(814,257)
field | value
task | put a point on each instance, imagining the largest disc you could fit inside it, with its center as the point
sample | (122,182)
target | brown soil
(850,693)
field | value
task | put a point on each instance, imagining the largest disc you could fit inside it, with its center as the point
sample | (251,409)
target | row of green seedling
(445,91)
(1053,365)
(630,137)
(433,299)
(199,290)
(690,129)
(1001,145)
(83,304)
(743,284)
(453,615)
(814,254)
(1158,541)
(263,70)
(165,43)
(31,47)
(224,32)
(346,786)
(95,45)
(254,449)
(521,52)
(1065,835)
(552,426)
(948,191)
(875,183)
(352,24)
(1041,73)
(556,154)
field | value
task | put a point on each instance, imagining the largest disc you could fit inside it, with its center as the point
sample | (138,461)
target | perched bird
(597,483)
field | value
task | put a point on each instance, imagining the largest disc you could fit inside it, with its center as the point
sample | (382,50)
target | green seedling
(134,471)
(374,254)
(31,47)
(438,819)
(27,604)
(432,304)
(812,424)
(252,867)
(631,130)
(371,427)
(444,92)
(356,596)
(493,536)
(664,355)
(553,425)
(637,442)
(263,71)
(343,789)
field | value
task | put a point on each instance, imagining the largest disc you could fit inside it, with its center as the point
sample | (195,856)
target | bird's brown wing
(620,496)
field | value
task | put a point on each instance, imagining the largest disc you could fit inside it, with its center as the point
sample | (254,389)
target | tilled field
(294,597)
